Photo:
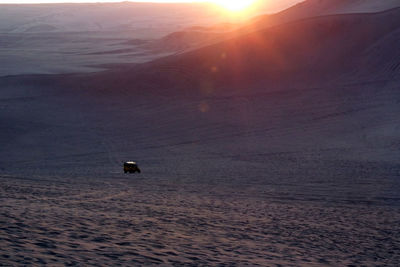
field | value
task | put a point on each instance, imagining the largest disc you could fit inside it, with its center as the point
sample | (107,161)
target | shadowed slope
(321,84)
(311,8)
(325,87)
(281,147)
(304,52)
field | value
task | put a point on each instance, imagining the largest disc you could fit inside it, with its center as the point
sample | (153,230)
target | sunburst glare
(235,5)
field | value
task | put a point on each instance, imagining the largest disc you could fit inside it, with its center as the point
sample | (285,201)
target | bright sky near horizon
(232,5)
(92,1)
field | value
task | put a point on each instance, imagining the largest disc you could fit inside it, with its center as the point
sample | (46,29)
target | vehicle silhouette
(131,167)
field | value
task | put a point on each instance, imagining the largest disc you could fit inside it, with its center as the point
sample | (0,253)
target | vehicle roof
(130,162)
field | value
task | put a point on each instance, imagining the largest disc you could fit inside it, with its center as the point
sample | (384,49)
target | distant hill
(123,16)
(314,97)
(192,38)
(104,16)
(312,8)
(309,50)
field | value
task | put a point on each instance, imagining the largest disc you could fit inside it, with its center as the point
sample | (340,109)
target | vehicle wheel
(125,172)
(138,171)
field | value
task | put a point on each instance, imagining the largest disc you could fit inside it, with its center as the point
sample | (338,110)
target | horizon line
(105,2)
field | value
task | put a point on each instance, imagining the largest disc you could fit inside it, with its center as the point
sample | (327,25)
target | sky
(88,1)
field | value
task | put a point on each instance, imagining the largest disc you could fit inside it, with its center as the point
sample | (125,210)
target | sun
(235,5)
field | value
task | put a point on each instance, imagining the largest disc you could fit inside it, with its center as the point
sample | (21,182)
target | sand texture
(142,220)
(278,147)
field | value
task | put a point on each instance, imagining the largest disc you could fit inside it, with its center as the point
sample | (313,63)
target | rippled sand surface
(131,221)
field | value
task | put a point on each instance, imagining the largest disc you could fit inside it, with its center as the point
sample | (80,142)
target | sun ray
(234,5)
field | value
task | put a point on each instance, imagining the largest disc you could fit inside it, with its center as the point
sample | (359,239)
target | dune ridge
(306,51)
(275,147)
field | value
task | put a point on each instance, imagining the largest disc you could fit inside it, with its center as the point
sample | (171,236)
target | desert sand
(278,147)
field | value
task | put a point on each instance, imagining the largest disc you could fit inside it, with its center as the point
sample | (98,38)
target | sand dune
(102,17)
(313,8)
(306,51)
(118,16)
(190,39)
(276,147)
(66,38)
(293,91)
(33,38)
(148,222)
(249,96)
